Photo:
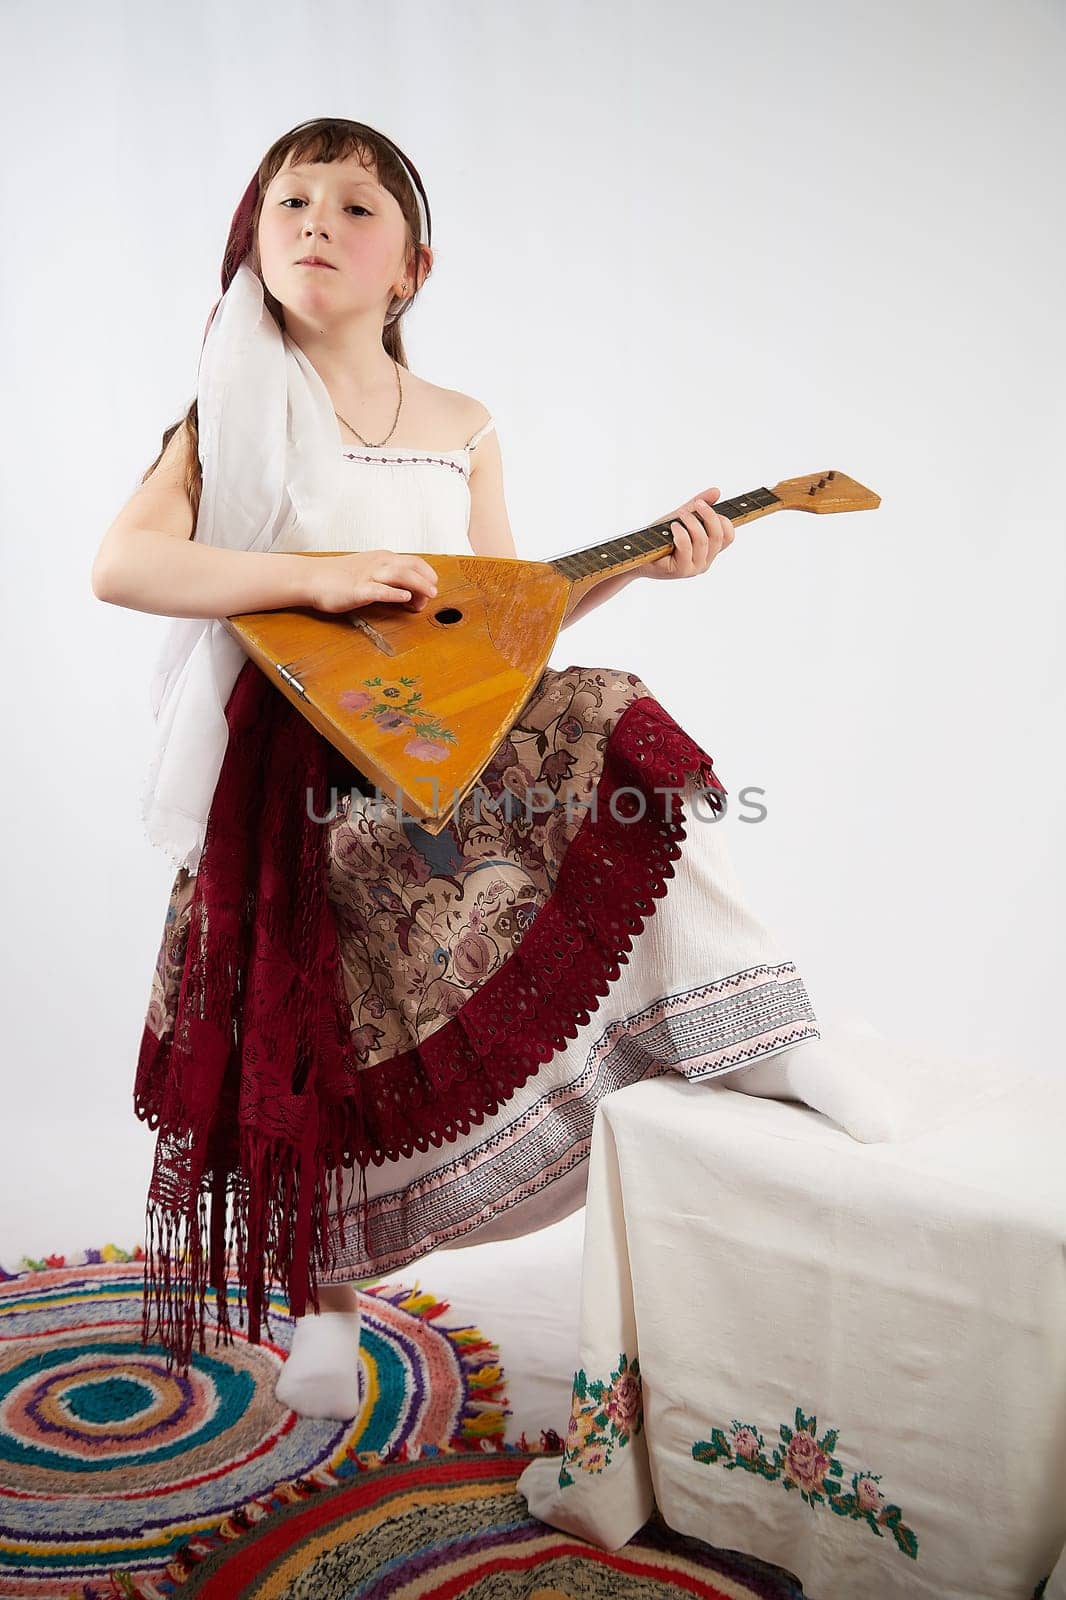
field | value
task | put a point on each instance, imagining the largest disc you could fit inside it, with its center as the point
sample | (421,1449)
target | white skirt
(704,991)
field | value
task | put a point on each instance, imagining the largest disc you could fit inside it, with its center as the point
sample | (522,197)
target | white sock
(320,1377)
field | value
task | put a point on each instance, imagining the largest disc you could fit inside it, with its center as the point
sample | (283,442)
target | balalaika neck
(589,566)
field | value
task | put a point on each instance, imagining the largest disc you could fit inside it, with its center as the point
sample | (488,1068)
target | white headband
(270,450)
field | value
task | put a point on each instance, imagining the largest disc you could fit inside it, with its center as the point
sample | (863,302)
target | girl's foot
(320,1377)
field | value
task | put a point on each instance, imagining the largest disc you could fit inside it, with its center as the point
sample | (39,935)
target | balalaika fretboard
(621,552)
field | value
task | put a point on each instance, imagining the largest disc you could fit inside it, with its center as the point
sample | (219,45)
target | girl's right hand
(341,583)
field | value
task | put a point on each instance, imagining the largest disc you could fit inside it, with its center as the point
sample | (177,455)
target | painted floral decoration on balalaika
(419,700)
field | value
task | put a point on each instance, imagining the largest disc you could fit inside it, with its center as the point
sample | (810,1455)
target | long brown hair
(326,139)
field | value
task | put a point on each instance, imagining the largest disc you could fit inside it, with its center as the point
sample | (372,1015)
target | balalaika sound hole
(447,614)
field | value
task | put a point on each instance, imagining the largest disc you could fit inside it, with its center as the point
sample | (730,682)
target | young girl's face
(338,211)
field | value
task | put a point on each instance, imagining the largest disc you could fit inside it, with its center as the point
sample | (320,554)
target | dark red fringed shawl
(257,1091)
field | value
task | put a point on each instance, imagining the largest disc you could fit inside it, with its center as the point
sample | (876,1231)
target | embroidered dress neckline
(397,456)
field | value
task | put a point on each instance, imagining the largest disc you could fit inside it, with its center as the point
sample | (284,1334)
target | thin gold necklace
(395,419)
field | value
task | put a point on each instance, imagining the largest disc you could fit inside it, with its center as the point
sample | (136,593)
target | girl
(443,1012)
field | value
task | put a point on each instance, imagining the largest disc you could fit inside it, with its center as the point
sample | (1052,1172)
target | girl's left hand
(699,535)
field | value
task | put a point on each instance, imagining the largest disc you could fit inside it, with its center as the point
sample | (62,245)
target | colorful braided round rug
(109,1464)
(119,1479)
(450,1524)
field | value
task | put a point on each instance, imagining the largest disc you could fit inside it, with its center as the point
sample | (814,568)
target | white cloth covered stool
(846,1358)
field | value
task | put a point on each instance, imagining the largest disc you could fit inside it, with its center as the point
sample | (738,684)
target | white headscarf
(270,450)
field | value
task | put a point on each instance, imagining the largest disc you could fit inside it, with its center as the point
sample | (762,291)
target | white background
(676,246)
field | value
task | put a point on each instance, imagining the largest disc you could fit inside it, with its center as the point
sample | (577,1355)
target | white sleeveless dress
(526,1167)
(410,500)
(704,990)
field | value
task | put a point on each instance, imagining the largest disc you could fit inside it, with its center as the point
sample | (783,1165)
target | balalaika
(419,700)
